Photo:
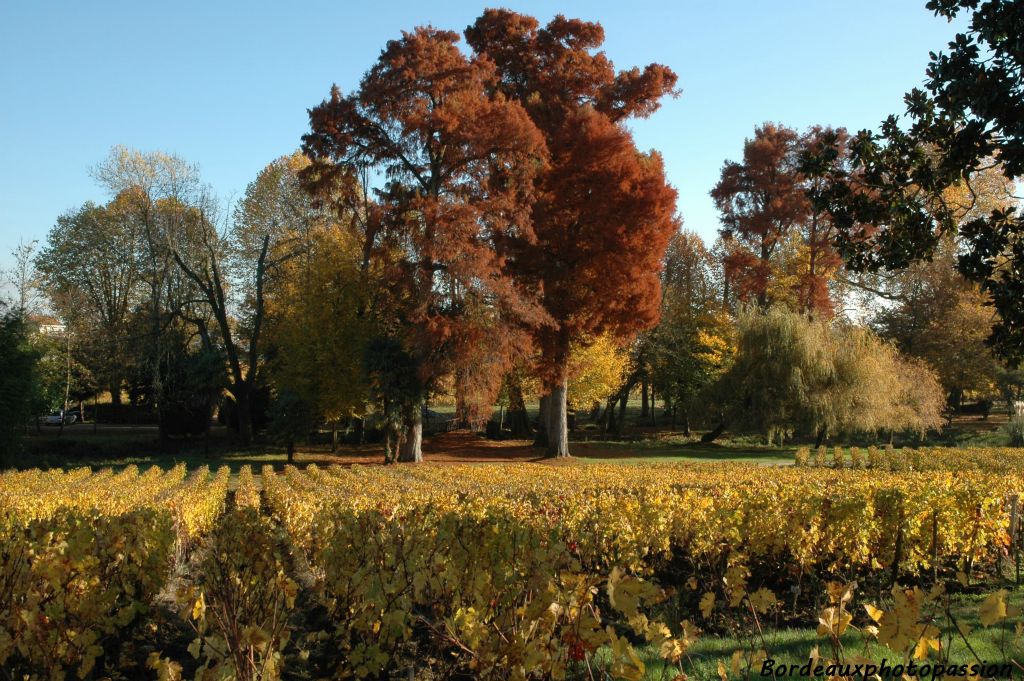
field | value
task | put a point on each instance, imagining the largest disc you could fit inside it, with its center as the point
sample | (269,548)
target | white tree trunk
(558,422)
(412,444)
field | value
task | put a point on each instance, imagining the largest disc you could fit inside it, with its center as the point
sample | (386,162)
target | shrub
(240,606)
(1015,429)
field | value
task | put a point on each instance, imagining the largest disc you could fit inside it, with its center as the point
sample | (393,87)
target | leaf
(833,621)
(199,607)
(993,608)
(736,662)
(763,600)
(707,604)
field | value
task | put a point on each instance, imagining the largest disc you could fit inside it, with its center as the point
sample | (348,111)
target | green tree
(889,205)
(91,274)
(291,418)
(793,374)
(193,380)
(316,327)
(692,343)
(1011,387)
(395,383)
(17,381)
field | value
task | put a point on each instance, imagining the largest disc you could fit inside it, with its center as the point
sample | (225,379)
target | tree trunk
(623,400)
(820,439)
(358,429)
(713,435)
(334,436)
(558,422)
(115,391)
(461,407)
(389,456)
(291,450)
(412,446)
(644,407)
(542,423)
(609,412)
(518,419)
(654,408)
(241,393)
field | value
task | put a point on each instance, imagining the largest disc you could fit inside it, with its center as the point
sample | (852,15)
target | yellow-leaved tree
(317,325)
(596,370)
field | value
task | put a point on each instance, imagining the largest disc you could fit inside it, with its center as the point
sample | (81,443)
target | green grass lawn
(792,646)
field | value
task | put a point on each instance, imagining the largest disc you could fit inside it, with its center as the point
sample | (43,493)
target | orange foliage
(766,206)
(459,161)
(604,211)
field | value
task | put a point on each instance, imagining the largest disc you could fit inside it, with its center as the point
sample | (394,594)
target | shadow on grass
(687,451)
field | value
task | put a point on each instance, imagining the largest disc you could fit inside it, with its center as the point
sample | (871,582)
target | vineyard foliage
(512,571)
(83,556)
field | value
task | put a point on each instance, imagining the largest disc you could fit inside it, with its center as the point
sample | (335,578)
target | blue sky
(227,84)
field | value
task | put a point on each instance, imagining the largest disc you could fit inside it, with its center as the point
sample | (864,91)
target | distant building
(48,325)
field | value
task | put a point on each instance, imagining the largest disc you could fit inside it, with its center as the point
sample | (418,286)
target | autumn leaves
(501,198)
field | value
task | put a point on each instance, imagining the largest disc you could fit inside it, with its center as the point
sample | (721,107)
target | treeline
(478,226)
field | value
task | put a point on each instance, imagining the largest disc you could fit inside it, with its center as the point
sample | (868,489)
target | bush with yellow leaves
(82,556)
(241,600)
(441,557)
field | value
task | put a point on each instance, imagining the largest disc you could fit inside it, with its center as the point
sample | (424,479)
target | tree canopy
(889,206)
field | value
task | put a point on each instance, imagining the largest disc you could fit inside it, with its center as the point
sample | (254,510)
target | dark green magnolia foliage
(887,202)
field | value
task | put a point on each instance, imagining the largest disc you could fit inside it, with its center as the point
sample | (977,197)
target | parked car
(67,417)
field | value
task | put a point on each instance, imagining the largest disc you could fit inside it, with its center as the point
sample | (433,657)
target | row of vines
(514,571)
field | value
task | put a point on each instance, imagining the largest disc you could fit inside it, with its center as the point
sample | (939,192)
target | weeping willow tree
(794,374)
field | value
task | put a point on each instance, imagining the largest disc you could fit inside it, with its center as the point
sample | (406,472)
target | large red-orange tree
(603,212)
(456,161)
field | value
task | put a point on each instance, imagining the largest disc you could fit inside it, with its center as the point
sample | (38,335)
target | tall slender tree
(603,212)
